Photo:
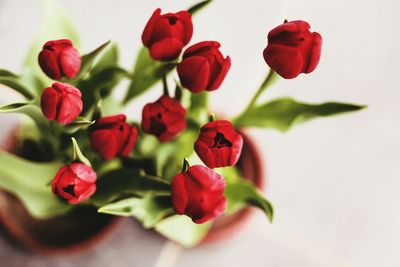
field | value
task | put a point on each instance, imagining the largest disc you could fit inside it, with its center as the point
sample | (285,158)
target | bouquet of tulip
(175,169)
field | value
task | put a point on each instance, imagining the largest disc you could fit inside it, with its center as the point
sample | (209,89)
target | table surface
(334,183)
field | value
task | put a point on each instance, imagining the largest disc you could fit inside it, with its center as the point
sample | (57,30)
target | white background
(334,182)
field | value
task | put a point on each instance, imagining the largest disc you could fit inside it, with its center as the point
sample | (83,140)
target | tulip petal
(104,143)
(194,73)
(166,49)
(130,142)
(286,61)
(179,193)
(148,29)
(49,102)
(315,52)
(221,76)
(84,172)
(70,60)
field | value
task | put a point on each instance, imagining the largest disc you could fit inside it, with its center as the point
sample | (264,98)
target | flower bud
(75,182)
(164,118)
(198,193)
(292,49)
(60,59)
(203,67)
(219,145)
(166,35)
(61,102)
(111,137)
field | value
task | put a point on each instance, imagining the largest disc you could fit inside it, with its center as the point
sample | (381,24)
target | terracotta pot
(250,167)
(77,231)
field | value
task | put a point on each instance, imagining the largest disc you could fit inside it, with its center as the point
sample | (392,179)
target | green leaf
(77,153)
(79,124)
(149,210)
(284,113)
(29,109)
(6,73)
(109,58)
(147,72)
(197,7)
(88,61)
(122,182)
(29,181)
(182,230)
(56,24)
(241,192)
(17,85)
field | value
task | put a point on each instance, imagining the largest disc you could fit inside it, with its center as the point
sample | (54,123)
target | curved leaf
(197,7)
(147,72)
(117,183)
(29,109)
(29,181)
(284,113)
(149,210)
(17,85)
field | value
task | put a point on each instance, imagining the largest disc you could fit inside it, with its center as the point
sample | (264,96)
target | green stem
(165,85)
(268,81)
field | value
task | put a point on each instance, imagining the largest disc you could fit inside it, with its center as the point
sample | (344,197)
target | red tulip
(198,193)
(219,145)
(60,59)
(111,136)
(75,182)
(292,49)
(166,35)
(203,67)
(164,118)
(61,102)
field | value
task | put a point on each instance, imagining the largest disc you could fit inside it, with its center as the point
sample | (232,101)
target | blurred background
(334,183)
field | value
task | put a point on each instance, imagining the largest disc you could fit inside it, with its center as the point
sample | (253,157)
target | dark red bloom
(292,49)
(219,145)
(61,102)
(203,67)
(60,59)
(198,193)
(75,182)
(166,35)
(111,136)
(164,118)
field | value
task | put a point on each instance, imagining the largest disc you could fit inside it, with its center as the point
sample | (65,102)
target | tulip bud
(218,145)
(292,49)
(198,193)
(75,182)
(61,102)
(164,118)
(166,35)
(111,136)
(203,67)
(60,59)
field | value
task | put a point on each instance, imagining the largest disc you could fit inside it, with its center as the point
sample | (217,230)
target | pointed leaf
(108,59)
(149,210)
(29,181)
(17,85)
(147,72)
(6,73)
(284,113)
(241,192)
(77,153)
(88,60)
(197,7)
(29,109)
(79,124)
(122,182)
